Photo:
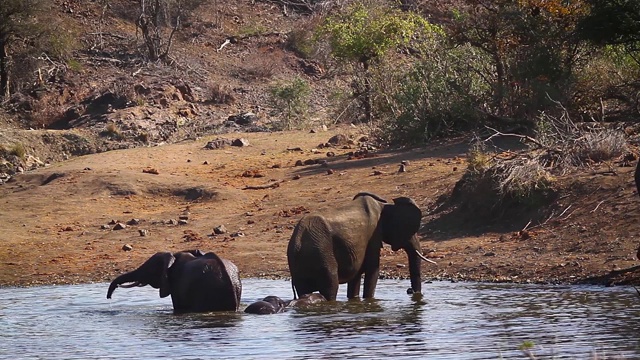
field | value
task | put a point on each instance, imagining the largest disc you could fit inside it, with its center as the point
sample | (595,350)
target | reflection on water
(451,321)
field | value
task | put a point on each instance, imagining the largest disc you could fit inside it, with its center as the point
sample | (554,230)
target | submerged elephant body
(273,304)
(326,250)
(197,282)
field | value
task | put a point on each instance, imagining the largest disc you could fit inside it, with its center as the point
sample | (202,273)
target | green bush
(436,97)
(289,100)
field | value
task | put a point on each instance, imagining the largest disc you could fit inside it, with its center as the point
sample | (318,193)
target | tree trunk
(368,116)
(5,91)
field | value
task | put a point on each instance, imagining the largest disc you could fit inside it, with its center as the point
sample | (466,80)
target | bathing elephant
(197,282)
(339,246)
(273,304)
(269,305)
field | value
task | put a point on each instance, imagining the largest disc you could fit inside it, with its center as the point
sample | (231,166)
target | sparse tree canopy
(15,22)
(365,34)
(612,22)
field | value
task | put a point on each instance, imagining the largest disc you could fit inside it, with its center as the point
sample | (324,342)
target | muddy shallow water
(451,321)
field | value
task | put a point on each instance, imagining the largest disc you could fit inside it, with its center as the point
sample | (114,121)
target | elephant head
(153,272)
(197,282)
(399,224)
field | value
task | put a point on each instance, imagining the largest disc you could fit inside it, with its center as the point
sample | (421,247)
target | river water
(451,321)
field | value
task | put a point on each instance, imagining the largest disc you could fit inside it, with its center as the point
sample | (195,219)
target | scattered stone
(87,168)
(67,228)
(377,172)
(218,230)
(247,118)
(150,171)
(188,160)
(251,221)
(323,163)
(240,142)
(119,226)
(113,222)
(105,227)
(296,177)
(172,222)
(218,143)
(329,171)
(400,266)
(404,162)
(143,232)
(182,222)
(237,234)
(324,128)
(299,163)
(133,222)
(339,139)
(183,217)
(363,138)
(310,162)
(455,168)
(127,247)
(276,166)
(402,168)
(248,213)
(205,162)
(331,154)
(312,131)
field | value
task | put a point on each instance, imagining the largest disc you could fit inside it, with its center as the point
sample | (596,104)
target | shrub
(18,150)
(290,101)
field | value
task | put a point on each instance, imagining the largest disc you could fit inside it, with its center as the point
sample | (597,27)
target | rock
(339,139)
(377,172)
(171,222)
(237,234)
(240,142)
(299,163)
(105,227)
(182,222)
(247,118)
(309,162)
(151,171)
(251,221)
(324,128)
(312,131)
(119,226)
(402,168)
(143,232)
(183,217)
(221,229)
(133,222)
(331,154)
(329,171)
(296,177)
(218,143)
(127,247)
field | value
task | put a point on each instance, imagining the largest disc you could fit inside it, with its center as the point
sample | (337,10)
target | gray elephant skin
(197,282)
(273,304)
(338,247)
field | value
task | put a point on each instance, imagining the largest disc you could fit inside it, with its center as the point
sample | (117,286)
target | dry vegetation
(520,190)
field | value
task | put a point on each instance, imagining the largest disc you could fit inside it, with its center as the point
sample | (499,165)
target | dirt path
(57,222)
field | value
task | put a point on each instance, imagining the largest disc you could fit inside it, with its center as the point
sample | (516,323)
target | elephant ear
(400,222)
(167,262)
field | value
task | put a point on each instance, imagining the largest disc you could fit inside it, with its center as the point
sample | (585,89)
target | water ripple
(451,321)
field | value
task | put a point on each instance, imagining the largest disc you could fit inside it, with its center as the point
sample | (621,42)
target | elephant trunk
(415,255)
(129,277)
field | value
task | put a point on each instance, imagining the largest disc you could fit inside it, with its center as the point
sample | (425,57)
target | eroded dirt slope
(57,221)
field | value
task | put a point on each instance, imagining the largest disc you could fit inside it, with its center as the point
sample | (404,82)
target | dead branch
(225,43)
(524,137)
(271,185)
(597,206)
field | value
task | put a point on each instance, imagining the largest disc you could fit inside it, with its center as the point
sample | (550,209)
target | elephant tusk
(425,259)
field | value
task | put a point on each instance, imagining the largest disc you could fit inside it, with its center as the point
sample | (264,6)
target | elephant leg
(370,282)
(353,287)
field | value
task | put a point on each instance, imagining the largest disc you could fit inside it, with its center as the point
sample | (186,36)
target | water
(452,321)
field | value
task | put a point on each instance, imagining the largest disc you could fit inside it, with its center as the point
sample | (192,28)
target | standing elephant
(197,282)
(338,247)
